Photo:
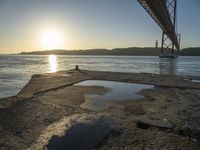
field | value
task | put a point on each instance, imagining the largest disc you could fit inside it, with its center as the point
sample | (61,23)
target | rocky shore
(47,114)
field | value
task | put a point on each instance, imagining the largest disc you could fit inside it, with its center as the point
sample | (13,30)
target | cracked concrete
(46,114)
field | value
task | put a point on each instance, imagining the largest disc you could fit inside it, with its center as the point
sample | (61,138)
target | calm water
(118,91)
(16,70)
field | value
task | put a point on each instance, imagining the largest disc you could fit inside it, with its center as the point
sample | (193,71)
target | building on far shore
(156,45)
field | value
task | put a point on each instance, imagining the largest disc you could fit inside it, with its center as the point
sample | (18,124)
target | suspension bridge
(164,14)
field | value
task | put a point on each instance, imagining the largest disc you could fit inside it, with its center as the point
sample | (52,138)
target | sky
(29,25)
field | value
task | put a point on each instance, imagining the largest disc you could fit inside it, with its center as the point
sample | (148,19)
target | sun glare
(52,63)
(52,39)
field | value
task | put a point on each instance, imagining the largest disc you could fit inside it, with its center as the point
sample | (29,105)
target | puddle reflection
(195,81)
(119,91)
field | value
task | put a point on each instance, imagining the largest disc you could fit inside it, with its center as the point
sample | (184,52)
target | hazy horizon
(70,25)
(87,49)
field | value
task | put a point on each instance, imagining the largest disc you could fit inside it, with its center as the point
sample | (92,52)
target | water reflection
(52,63)
(168,66)
(119,91)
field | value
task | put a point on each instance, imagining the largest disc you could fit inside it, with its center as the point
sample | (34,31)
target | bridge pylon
(163,13)
(167,44)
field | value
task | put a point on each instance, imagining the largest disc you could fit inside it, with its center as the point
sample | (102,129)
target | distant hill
(135,51)
(130,51)
(193,51)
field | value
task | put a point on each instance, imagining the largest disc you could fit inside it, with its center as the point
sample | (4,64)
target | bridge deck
(158,10)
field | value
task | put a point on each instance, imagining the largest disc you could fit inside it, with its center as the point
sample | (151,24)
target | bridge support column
(167,46)
(163,12)
(167,43)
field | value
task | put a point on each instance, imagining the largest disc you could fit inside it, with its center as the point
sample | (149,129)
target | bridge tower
(164,13)
(166,43)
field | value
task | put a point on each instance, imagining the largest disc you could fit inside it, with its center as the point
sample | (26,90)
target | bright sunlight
(52,63)
(52,39)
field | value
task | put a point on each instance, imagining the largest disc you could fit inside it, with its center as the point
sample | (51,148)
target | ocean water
(16,70)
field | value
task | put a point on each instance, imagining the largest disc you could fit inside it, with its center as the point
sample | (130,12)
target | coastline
(129,51)
(47,111)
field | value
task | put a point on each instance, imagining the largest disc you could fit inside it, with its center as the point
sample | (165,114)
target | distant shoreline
(130,51)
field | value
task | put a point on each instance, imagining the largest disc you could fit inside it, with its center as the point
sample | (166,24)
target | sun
(52,39)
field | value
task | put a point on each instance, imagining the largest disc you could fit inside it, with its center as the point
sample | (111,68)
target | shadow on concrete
(81,136)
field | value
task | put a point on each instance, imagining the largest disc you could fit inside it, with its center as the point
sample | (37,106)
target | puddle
(119,91)
(195,81)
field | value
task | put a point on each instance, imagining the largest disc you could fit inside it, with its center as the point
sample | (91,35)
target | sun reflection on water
(52,63)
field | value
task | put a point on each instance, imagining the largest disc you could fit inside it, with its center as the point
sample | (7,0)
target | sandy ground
(47,114)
